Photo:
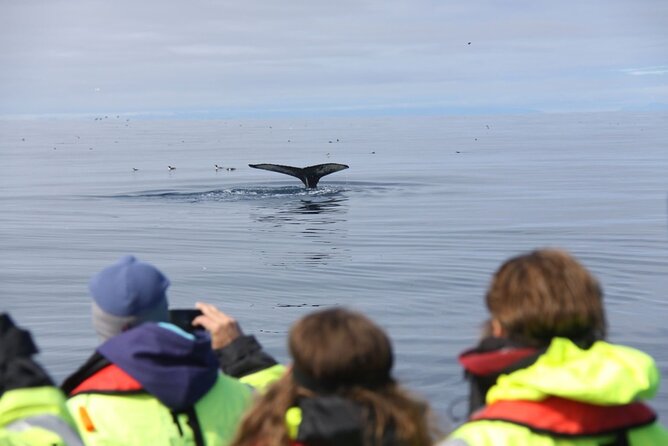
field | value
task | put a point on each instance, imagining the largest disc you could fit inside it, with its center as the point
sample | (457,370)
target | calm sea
(410,234)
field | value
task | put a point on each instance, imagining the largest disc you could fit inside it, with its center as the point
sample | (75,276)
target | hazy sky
(253,57)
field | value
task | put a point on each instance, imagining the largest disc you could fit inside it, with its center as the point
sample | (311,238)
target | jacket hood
(334,421)
(604,374)
(176,367)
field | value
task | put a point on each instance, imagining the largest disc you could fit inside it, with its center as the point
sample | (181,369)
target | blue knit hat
(130,288)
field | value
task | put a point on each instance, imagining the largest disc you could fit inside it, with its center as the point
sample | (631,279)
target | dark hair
(546,294)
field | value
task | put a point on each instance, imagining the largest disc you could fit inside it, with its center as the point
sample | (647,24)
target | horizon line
(264,113)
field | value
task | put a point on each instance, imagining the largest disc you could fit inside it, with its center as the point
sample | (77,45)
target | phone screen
(183,318)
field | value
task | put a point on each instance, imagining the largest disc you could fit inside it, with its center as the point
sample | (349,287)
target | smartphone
(183,318)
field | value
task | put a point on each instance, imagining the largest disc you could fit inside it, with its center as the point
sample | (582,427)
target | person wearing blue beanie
(172,377)
(126,294)
(131,292)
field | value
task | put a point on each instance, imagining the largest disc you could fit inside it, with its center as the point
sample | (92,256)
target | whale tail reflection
(309,175)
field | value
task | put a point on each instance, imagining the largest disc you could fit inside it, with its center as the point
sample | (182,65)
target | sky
(331,57)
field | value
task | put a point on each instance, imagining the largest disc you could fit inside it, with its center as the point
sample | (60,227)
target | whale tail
(309,175)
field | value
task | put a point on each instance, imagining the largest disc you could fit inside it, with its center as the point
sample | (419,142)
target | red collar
(488,363)
(110,379)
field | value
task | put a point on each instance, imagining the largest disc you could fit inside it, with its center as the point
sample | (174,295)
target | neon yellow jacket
(603,375)
(262,379)
(155,385)
(141,419)
(36,416)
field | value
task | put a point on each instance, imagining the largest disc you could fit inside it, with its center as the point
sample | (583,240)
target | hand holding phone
(223,328)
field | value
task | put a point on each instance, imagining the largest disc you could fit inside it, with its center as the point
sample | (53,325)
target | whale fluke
(309,175)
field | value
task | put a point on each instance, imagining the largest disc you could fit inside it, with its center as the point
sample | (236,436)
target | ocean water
(410,234)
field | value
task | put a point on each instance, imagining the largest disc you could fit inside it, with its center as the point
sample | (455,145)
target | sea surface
(410,234)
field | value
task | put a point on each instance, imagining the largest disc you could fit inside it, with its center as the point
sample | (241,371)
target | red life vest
(567,418)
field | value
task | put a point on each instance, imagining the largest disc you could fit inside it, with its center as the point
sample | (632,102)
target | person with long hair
(338,391)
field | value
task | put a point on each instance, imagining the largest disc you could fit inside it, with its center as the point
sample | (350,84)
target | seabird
(171,167)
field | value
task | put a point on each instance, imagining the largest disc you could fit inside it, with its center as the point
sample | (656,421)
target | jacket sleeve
(245,360)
